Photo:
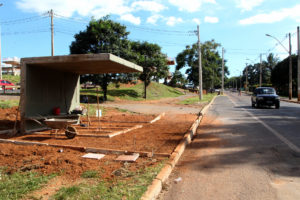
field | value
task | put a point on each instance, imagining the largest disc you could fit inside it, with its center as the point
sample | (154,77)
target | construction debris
(128,158)
(93,156)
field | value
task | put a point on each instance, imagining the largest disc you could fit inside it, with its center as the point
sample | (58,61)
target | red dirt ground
(159,137)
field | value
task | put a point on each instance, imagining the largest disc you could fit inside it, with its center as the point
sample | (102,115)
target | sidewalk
(286,99)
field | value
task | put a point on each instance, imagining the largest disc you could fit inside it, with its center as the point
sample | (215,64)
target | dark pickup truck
(265,96)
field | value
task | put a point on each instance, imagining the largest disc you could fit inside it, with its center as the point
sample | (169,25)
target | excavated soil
(159,137)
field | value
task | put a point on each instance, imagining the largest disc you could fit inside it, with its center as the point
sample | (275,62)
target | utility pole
(260,71)
(298,41)
(200,65)
(241,81)
(52,33)
(222,70)
(246,86)
(290,69)
(0,49)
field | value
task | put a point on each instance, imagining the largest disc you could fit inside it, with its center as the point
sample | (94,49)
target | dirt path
(167,105)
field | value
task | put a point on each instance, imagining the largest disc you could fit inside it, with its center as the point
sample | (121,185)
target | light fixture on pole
(290,63)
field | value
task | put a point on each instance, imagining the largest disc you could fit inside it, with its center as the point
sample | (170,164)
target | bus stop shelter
(51,82)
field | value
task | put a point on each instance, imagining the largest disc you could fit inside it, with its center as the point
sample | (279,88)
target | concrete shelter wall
(47,89)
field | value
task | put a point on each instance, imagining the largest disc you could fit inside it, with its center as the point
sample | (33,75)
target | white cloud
(153,19)
(152,6)
(131,18)
(96,8)
(197,21)
(274,16)
(247,5)
(212,20)
(69,7)
(190,5)
(171,21)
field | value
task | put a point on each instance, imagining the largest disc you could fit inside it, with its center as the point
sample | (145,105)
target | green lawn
(193,100)
(8,103)
(13,79)
(154,91)
(129,185)
(17,185)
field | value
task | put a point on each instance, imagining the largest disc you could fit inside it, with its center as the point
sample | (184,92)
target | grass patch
(130,185)
(8,103)
(11,78)
(154,91)
(89,174)
(93,108)
(68,193)
(17,185)
(193,100)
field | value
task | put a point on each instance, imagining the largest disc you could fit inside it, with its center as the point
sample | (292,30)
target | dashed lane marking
(276,133)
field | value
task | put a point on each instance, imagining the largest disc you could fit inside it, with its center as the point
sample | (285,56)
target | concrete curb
(155,188)
(290,101)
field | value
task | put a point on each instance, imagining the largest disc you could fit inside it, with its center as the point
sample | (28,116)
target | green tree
(153,61)
(280,76)
(178,79)
(211,64)
(102,36)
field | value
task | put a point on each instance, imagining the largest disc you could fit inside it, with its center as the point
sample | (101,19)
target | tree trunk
(145,89)
(104,87)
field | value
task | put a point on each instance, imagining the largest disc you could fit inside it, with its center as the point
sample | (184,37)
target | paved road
(241,153)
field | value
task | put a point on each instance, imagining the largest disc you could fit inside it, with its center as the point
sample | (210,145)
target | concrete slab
(128,158)
(93,155)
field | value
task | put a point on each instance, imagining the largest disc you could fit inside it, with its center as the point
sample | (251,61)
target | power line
(23,20)
(24,32)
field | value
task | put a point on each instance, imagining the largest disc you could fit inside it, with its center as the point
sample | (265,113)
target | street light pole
(298,41)
(290,63)
(246,86)
(290,69)
(260,71)
(222,70)
(200,65)
(0,49)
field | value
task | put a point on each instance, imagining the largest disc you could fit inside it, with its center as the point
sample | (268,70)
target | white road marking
(276,133)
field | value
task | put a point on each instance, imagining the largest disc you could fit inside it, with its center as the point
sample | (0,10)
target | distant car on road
(265,96)
(189,86)
(6,84)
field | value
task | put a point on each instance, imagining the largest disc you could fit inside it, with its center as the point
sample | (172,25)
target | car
(265,96)
(189,86)
(6,84)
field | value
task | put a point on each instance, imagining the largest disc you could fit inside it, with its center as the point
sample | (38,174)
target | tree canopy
(211,64)
(107,36)
(280,76)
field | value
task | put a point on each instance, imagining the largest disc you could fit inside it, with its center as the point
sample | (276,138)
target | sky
(238,25)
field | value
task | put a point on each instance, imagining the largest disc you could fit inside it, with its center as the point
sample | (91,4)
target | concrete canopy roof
(85,63)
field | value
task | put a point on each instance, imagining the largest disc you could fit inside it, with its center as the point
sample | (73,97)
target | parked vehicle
(6,84)
(265,96)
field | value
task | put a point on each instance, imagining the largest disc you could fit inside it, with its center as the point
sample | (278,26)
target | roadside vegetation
(129,185)
(135,92)
(8,103)
(193,100)
(11,78)
(17,185)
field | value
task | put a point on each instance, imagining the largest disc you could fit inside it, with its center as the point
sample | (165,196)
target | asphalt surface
(240,153)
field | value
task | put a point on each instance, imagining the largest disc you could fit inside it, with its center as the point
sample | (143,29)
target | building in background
(11,66)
